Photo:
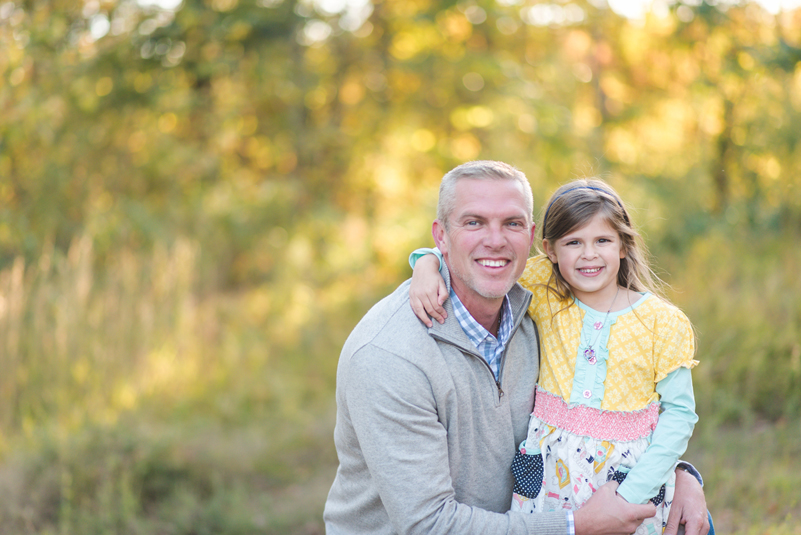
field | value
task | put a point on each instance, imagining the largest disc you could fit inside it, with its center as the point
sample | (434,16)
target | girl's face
(589,260)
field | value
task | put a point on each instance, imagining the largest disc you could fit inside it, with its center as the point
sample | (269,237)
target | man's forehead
(490,197)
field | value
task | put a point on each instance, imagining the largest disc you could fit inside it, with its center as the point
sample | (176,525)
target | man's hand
(428,291)
(606,513)
(688,508)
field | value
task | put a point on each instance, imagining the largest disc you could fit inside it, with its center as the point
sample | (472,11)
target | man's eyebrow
(484,217)
(472,216)
(518,217)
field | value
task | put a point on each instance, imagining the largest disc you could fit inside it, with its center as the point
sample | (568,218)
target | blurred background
(199,200)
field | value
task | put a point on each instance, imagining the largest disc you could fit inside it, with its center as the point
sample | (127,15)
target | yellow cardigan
(646,342)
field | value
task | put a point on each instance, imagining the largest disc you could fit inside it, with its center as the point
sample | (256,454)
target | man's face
(489,237)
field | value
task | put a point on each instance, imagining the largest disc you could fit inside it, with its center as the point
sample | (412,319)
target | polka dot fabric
(620,477)
(527,469)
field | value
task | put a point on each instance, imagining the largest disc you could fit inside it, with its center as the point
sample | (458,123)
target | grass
(751,476)
(136,399)
(136,477)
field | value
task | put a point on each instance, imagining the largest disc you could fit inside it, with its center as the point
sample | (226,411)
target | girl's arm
(669,440)
(427,292)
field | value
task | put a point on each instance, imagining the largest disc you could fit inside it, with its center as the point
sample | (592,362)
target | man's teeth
(493,263)
(590,270)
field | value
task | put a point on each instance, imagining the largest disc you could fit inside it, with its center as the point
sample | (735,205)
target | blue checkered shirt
(488,346)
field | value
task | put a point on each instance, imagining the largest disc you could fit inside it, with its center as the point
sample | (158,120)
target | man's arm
(405,447)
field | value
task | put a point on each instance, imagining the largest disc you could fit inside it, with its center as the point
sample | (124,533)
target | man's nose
(495,236)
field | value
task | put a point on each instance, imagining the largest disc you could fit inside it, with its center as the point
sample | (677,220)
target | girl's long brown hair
(572,206)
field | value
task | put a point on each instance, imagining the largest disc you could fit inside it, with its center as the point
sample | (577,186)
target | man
(428,419)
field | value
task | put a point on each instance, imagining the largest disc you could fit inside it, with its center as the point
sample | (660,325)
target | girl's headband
(545,220)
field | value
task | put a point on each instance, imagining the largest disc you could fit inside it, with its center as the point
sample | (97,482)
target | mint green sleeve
(417,254)
(669,440)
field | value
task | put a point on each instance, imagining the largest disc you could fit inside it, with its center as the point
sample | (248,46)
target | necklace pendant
(589,354)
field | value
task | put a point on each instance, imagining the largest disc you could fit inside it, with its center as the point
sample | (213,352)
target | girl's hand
(427,291)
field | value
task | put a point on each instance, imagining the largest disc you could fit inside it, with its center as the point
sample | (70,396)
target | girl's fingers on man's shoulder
(436,311)
(420,311)
(442,294)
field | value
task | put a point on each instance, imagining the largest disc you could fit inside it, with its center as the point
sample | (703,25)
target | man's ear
(440,235)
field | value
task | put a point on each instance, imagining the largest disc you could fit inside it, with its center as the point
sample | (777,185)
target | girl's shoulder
(538,271)
(662,312)
(535,278)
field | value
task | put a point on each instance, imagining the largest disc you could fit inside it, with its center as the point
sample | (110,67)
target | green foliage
(748,317)
(226,116)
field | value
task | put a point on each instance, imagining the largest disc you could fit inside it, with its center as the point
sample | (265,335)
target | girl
(614,398)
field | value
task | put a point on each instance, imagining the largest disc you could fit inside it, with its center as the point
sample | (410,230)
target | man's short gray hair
(480,170)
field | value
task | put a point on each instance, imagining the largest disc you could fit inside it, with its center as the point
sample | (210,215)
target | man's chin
(494,293)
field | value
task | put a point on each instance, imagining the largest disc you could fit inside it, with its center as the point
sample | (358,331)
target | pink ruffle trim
(587,421)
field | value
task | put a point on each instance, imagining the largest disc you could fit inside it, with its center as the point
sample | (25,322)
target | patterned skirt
(570,451)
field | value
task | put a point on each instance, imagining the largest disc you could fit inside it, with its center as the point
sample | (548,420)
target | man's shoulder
(389,324)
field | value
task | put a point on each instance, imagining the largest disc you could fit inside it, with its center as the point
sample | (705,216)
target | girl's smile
(589,260)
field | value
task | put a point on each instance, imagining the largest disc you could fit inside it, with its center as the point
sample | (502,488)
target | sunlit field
(155,408)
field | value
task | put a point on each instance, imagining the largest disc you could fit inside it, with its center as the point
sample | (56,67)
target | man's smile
(492,263)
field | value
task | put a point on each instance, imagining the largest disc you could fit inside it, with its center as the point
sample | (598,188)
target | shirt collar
(474,330)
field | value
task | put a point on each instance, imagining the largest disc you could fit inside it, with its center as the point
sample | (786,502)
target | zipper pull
(500,390)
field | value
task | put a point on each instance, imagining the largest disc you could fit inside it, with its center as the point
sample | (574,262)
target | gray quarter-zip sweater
(425,436)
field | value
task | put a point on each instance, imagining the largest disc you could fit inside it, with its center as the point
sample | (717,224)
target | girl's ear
(550,251)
